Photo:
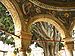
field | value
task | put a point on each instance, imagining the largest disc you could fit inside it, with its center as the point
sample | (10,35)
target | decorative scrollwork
(26,8)
(30,9)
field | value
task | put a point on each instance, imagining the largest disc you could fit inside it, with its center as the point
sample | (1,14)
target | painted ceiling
(61,3)
(65,13)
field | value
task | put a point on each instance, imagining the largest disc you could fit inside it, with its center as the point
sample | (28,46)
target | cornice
(45,6)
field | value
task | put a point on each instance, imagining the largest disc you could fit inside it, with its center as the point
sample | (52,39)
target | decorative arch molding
(45,6)
(50,19)
(14,14)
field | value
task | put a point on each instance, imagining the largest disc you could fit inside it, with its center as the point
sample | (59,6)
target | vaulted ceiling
(59,0)
(63,10)
(61,3)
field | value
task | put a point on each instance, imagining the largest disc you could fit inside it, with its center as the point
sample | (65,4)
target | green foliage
(60,45)
(7,39)
(16,51)
(10,41)
(6,22)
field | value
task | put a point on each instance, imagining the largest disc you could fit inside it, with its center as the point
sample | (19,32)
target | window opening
(47,37)
(7,44)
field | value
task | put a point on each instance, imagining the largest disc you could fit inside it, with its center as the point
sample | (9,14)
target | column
(25,41)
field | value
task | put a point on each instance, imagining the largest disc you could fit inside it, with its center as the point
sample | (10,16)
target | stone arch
(50,19)
(14,14)
(16,17)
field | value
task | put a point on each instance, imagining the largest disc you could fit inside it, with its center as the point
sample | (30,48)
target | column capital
(26,36)
(70,45)
(25,41)
(68,39)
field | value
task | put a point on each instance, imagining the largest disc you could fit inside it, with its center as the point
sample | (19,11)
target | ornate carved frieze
(30,9)
(54,7)
(65,17)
